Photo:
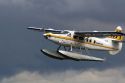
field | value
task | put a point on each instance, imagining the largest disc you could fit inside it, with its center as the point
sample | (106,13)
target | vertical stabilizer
(119,29)
(117,44)
(119,38)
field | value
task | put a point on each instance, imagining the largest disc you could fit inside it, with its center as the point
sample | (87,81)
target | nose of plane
(46,35)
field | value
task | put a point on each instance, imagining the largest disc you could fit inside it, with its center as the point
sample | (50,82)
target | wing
(45,30)
(98,34)
(36,29)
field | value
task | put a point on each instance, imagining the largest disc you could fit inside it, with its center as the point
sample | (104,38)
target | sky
(20,58)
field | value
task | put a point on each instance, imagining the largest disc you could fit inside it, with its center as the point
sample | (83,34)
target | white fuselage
(88,42)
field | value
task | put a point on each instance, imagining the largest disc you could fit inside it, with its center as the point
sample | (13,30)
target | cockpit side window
(81,38)
(69,34)
(90,40)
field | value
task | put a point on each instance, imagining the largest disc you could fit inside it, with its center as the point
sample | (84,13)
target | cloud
(70,76)
(72,11)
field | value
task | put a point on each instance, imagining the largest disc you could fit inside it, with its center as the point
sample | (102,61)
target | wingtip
(104,59)
(31,27)
(34,28)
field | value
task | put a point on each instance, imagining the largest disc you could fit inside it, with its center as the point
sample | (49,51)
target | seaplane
(69,40)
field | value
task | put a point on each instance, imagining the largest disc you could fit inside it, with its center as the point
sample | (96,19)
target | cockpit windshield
(64,32)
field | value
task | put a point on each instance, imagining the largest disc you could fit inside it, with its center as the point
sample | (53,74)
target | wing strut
(71,48)
(86,51)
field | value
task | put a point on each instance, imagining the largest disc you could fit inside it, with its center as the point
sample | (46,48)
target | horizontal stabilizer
(79,57)
(118,41)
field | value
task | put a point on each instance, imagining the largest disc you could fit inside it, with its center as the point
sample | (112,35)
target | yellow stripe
(120,38)
(62,37)
(70,38)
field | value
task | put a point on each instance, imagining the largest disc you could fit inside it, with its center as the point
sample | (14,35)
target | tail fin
(119,38)
(117,44)
(119,29)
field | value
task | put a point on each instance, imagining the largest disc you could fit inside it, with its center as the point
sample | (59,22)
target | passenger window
(90,40)
(86,39)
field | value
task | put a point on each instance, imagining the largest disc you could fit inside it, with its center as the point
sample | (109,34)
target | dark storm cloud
(20,48)
(66,10)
